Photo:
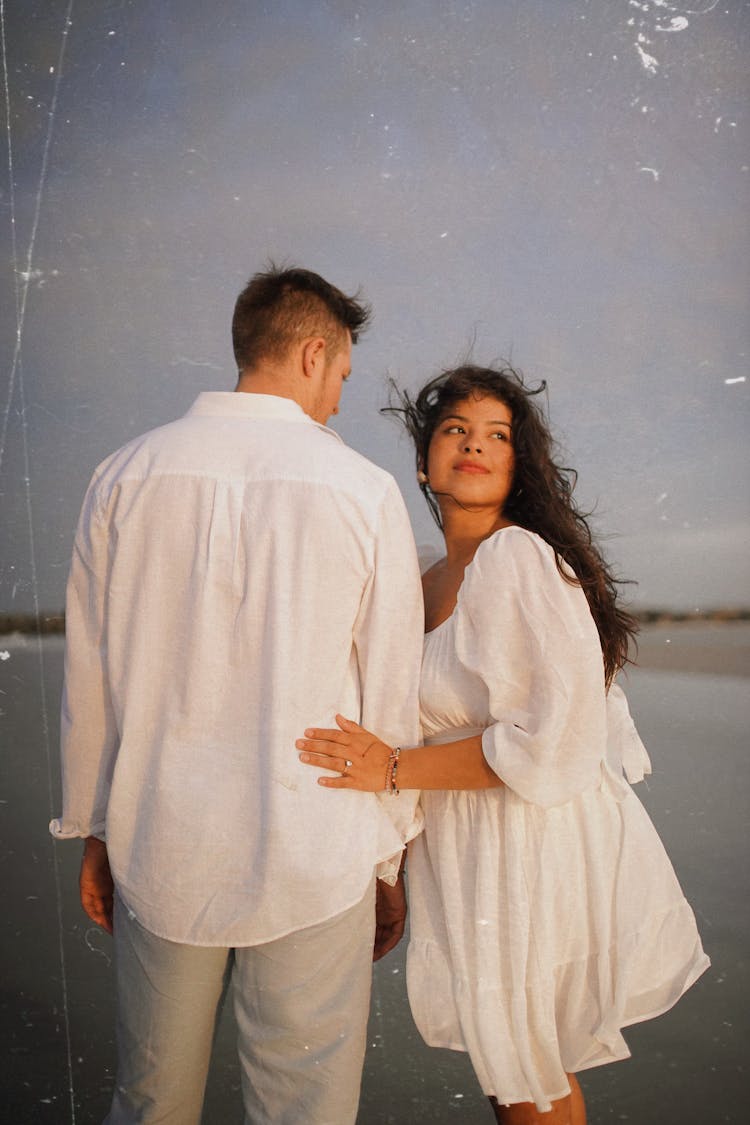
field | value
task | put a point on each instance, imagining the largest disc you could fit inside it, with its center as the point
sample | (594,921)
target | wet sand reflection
(687,1066)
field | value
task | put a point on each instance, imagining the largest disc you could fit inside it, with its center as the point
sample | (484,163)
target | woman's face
(471,457)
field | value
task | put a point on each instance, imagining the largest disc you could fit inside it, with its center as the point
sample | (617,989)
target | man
(237,576)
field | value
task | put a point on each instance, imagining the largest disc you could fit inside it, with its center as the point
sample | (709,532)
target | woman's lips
(470,467)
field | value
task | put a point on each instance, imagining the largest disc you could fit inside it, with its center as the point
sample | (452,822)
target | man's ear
(313,356)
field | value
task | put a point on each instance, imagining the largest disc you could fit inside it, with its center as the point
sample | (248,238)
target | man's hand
(95,883)
(390,916)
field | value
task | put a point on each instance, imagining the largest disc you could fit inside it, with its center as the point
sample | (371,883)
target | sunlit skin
(337,369)
(471,460)
(312,374)
(470,467)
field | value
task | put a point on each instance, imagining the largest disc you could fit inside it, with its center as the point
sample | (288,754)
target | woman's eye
(455,430)
(502,435)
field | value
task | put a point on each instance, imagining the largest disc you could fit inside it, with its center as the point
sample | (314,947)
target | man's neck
(268,381)
(279,384)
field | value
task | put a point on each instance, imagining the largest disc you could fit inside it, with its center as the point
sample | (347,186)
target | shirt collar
(244,404)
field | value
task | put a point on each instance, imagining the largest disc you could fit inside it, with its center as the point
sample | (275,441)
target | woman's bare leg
(569,1110)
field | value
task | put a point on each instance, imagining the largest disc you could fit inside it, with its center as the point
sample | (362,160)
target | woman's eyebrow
(489,422)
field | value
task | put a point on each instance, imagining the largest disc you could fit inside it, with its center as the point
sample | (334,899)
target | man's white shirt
(238,575)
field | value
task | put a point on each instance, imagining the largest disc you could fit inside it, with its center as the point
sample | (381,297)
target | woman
(545,913)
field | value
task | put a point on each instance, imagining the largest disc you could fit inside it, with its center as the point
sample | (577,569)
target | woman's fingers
(349,744)
(320,734)
(347,728)
(347,725)
(321,748)
(338,783)
(330,762)
(325,761)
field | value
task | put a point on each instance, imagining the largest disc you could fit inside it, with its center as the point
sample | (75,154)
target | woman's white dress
(545,915)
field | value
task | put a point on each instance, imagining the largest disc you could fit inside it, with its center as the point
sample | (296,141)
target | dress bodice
(452,699)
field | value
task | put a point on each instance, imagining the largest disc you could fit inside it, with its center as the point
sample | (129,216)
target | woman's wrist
(391,771)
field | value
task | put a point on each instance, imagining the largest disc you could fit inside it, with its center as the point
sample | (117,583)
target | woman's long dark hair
(541,499)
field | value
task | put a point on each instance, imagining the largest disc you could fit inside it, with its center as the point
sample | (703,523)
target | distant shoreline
(53,623)
(716,643)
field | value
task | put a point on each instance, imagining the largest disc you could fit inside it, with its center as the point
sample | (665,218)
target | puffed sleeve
(627,759)
(529,635)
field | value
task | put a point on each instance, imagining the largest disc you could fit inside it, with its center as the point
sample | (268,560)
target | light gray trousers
(301,1005)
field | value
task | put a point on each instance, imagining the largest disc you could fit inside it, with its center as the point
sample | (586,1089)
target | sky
(558,183)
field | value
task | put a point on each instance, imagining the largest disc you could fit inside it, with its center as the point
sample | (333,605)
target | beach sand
(710,648)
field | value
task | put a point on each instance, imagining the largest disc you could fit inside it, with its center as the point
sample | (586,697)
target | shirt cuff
(63,830)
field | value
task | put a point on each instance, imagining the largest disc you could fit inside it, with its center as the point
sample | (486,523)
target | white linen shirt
(238,575)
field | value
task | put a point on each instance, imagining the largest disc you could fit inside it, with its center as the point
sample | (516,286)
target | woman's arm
(362,760)
(447,765)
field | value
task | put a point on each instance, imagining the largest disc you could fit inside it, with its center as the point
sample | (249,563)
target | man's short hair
(278,308)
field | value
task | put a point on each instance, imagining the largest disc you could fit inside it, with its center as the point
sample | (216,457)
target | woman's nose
(469,448)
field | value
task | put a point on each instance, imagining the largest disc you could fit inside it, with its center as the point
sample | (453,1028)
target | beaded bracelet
(390,773)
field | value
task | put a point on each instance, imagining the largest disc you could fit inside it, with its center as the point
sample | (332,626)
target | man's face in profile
(336,370)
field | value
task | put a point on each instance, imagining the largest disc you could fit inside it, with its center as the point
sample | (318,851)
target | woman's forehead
(485,406)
